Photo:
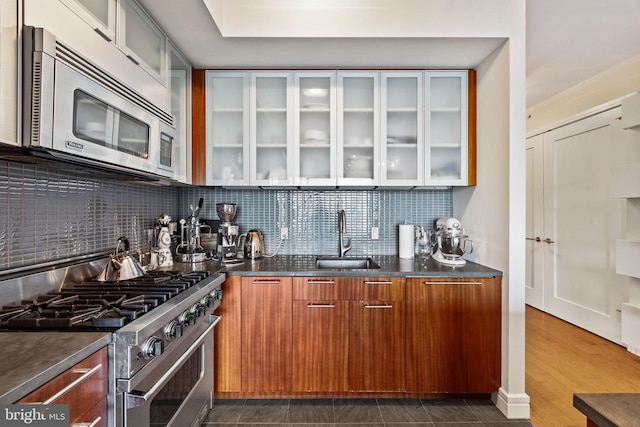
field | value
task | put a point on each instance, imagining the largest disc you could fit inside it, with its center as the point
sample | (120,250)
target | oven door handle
(140,398)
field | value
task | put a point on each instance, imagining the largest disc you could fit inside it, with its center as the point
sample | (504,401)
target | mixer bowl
(454,246)
(226,211)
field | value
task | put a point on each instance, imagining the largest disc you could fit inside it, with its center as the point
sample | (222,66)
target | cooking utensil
(121,265)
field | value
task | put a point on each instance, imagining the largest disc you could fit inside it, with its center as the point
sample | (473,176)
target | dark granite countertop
(610,409)
(304,265)
(30,359)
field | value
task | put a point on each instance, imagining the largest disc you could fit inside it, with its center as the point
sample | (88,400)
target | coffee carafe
(451,242)
(228,232)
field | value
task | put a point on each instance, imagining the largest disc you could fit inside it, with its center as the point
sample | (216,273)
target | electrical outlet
(284,233)
(375,233)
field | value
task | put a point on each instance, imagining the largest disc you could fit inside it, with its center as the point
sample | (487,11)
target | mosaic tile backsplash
(50,213)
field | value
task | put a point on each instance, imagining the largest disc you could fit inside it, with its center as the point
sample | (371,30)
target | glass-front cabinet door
(227,107)
(446,125)
(358,124)
(99,14)
(401,129)
(271,127)
(315,129)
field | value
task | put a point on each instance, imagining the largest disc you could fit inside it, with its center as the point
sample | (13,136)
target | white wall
(494,212)
(611,84)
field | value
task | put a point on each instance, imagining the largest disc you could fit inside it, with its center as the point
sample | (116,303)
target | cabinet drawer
(318,288)
(82,387)
(375,288)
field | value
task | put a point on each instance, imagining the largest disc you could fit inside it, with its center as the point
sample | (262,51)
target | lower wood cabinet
(453,335)
(340,336)
(266,334)
(83,387)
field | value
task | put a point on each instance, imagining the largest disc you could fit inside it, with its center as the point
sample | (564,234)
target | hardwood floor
(562,359)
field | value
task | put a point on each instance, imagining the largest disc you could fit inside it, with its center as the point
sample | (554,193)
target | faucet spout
(342,228)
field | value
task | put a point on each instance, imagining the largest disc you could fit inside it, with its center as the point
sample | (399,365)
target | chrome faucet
(342,228)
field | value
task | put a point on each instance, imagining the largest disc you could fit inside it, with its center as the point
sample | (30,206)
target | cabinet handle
(86,373)
(453,283)
(102,34)
(320,282)
(378,306)
(537,239)
(134,60)
(321,305)
(92,424)
(265,282)
(548,240)
(378,283)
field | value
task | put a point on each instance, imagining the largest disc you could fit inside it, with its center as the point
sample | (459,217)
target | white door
(534,277)
(582,222)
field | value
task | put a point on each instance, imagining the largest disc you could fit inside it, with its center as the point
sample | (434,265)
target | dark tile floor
(360,412)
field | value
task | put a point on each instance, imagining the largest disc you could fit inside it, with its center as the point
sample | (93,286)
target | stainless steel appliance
(190,249)
(74,111)
(253,244)
(451,242)
(228,233)
(161,356)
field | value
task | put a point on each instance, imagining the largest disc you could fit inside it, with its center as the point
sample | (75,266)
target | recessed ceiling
(568,41)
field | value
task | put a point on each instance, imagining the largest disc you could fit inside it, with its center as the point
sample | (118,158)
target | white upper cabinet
(315,129)
(9,71)
(227,109)
(99,14)
(271,129)
(401,129)
(180,107)
(446,128)
(358,133)
(141,40)
(362,129)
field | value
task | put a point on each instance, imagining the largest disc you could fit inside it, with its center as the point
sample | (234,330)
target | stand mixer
(189,249)
(451,242)
(228,233)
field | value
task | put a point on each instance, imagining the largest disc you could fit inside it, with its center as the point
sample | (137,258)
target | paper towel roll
(407,234)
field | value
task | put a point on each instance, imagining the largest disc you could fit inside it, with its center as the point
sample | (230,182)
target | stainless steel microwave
(76,112)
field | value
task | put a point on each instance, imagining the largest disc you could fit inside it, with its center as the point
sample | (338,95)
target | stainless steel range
(161,357)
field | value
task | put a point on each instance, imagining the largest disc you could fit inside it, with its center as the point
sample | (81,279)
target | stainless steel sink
(346,263)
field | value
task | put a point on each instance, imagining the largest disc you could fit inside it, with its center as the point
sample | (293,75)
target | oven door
(176,393)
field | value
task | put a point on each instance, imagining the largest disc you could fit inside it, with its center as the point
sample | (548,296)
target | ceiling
(568,41)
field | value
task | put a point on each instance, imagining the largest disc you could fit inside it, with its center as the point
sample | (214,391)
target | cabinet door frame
(429,141)
(107,32)
(341,121)
(254,109)
(297,124)
(385,76)
(210,145)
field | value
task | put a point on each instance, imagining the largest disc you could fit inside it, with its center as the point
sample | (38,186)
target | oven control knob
(187,318)
(207,301)
(198,309)
(152,347)
(173,330)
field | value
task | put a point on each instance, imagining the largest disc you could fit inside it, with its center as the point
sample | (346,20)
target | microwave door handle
(140,399)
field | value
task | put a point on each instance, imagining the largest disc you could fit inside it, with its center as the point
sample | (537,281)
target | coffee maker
(451,242)
(228,233)
(189,249)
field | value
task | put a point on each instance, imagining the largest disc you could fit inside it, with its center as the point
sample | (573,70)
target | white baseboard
(513,406)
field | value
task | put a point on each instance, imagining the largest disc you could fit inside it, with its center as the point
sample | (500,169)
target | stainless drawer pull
(134,60)
(453,283)
(86,373)
(266,282)
(320,282)
(378,283)
(93,424)
(102,34)
(378,306)
(321,305)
